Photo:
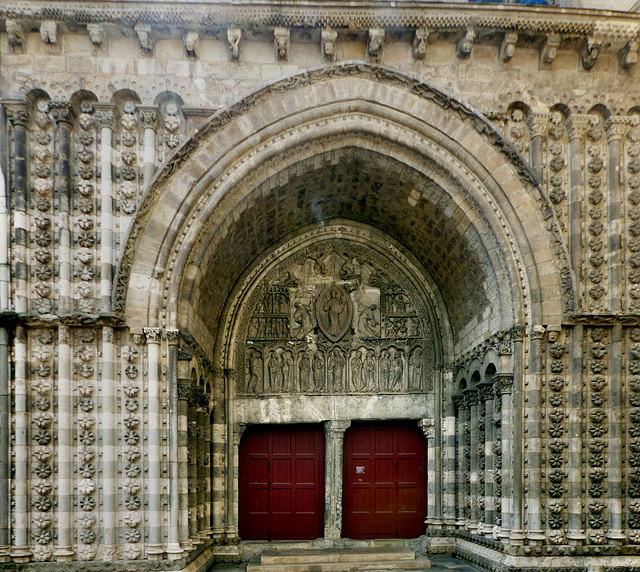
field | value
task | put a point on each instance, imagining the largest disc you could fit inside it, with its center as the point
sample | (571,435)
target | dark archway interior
(363,186)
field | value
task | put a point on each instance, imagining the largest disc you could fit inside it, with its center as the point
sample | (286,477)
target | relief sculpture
(331,322)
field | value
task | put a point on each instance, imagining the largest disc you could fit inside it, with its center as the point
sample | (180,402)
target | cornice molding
(354,14)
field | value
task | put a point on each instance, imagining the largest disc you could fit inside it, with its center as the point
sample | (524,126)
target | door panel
(281,483)
(384,481)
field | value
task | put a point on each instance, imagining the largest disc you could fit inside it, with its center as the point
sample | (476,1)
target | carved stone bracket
(465,44)
(234,36)
(419,48)
(328,44)
(96,33)
(49,32)
(15,33)
(508,47)
(375,43)
(145,41)
(590,52)
(629,54)
(192,44)
(281,37)
(549,50)
(428,427)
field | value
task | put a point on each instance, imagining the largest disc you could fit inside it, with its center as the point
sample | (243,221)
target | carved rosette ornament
(556,159)
(127,167)
(597,440)
(85,193)
(633,471)
(554,465)
(43,427)
(631,176)
(329,320)
(42,185)
(131,449)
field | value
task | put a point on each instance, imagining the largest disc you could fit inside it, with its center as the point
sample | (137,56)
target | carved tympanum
(335,317)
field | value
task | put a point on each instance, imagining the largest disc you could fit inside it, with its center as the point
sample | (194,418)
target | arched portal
(333,244)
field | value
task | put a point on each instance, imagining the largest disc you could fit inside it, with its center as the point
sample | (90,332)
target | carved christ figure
(334,307)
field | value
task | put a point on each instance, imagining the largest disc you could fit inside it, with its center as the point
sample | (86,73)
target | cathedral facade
(324,273)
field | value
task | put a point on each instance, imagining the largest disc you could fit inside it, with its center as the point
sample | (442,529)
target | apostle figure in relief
(336,366)
(304,371)
(255,372)
(385,370)
(396,371)
(369,371)
(356,371)
(415,369)
(318,371)
(274,372)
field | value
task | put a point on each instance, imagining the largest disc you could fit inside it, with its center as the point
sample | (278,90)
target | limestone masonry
(373,265)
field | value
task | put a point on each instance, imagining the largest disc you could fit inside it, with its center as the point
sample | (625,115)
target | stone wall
(160,161)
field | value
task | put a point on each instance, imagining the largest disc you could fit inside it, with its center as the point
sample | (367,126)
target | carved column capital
(578,125)
(460,402)
(503,383)
(336,427)
(149,117)
(184,388)
(537,332)
(106,115)
(616,128)
(61,112)
(537,123)
(471,397)
(172,337)
(153,335)
(16,112)
(486,390)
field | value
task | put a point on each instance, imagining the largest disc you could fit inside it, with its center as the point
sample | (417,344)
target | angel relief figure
(303,319)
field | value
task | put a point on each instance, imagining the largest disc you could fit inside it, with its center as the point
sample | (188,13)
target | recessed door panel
(384,481)
(281,483)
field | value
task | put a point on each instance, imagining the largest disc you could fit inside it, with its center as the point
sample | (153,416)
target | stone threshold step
(336,555)
(418,564)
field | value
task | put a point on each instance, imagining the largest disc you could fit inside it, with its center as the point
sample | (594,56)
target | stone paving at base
(437,565)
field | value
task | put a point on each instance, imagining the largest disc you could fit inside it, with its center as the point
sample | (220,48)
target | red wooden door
(385,468)
(281,483)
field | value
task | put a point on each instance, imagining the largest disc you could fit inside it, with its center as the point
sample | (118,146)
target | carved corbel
(420,43)
(234,35)
(281,37)
(15,33)
(376,41)
(49,32)
(465,44)
(96,34)
(629,54)
(549,50)
(143,31)
(508,48)
(590,52)
(192,44)
(328,44)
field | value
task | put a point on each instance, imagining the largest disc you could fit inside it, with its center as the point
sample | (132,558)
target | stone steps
(382,559)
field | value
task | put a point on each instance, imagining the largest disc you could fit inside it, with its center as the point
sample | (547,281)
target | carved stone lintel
(49,32)
(328,44)
(281,38)
(96,34)
(549,50)
(15,33)
(145,41)
(153,335)
(465,44)
(192,44)
(590,52)
(420,43)
(375,43)
(234,36)
(508,47)
(629,54)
